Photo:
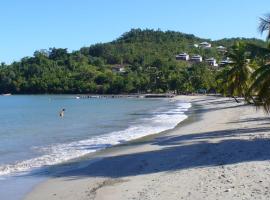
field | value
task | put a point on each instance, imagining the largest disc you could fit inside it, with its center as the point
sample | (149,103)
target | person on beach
(62,112)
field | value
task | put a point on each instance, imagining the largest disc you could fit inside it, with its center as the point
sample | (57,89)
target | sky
(29,25)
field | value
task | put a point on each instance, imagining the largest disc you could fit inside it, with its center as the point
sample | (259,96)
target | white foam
(63,152)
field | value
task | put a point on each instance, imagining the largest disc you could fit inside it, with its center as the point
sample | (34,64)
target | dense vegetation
(248,76)
(148,57)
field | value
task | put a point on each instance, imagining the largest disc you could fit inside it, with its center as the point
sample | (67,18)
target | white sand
(221,152)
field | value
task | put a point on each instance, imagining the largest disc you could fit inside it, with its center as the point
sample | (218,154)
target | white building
(118,69)
(182,56)
(205,45)
(196,58)
(226,61)
(212,62)
(221,49)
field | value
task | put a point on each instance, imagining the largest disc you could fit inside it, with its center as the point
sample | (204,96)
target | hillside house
(118,69)
(212,62)
(182,56)
(226,61)
(205,45)
(221,49)
(196,58)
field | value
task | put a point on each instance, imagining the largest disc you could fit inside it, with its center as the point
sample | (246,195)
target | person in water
(62,112)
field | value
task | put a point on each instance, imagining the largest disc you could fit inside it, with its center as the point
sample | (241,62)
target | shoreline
(98,155)
(40,175)
(223,155)
(90,158)
(121,137)
(93,157)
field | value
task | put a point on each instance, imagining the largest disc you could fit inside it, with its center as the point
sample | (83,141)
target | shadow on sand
(177,158)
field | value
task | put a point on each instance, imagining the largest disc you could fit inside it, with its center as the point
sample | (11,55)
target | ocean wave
(55,154)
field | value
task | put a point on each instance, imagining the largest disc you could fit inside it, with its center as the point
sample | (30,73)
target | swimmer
(62,112)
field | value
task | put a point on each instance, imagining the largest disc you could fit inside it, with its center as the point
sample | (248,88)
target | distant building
(205,45)
(196,45)
(212,62)
(118,69)
(182,56)
(196,58)
(226,61)
(221,49)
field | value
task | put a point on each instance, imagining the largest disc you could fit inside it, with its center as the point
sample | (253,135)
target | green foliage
(259,90)
(199,77)
(260,87)
(237,76)
(229,42)
(147,55)
(249,75)
(264,25)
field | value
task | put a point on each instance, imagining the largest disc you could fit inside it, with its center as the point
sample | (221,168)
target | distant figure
(62,112)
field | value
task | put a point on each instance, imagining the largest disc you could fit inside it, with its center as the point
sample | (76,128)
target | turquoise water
(32,135)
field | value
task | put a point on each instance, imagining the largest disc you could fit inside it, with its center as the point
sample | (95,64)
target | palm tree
(264,25)
(239,72)
(261,87)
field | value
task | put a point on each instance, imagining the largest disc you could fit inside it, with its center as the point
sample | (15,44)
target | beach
(221,151)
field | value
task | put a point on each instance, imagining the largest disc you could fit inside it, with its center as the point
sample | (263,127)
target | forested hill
(137,45)
(146,57)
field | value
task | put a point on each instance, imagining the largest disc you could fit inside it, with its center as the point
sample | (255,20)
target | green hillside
(147,58)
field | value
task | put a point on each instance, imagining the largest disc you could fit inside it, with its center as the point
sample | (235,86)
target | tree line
(149,60)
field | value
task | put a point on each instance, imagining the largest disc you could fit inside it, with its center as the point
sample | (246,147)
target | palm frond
(264,25)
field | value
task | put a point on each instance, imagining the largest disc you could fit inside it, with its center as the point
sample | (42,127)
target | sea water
(33,136)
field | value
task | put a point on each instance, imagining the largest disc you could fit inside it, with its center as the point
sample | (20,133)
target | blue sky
(29,25)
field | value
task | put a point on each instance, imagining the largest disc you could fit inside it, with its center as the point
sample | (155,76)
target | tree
(264,25)
(148,57)
(58,54)
(261,77)
(261,86)
(238,76)
(201,77)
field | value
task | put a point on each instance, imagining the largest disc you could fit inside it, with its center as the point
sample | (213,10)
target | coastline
(194,153)
(151,118)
